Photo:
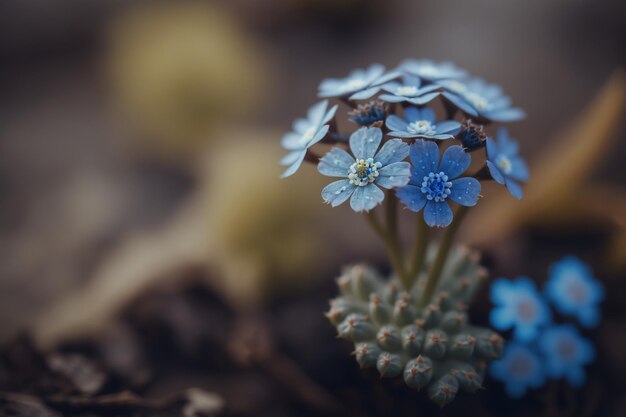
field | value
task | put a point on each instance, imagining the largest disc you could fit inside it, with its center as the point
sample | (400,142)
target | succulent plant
(414,324)
(429,345)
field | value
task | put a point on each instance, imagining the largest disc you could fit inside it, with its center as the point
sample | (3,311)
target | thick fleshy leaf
(337,192)
(335,163)
(437,214)
(394,150)
(412,197)
(365,141)
(394,175)
(424,157)
(495,173)
(514,188)
(465,191)
(294,167)
(455,161)
(394,122)
(366,198)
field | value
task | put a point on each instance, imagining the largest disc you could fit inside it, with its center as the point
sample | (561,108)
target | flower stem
(390,236)
(419,252)
(442,255)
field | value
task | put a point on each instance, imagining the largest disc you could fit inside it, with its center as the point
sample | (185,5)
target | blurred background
(143,224)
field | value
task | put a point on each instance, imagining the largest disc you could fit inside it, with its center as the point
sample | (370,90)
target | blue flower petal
(519,171)
(495,172)
(423,99)
(413,114)
(412,197)
(290,158)
(451,127)
(330,114)
(292,141)
(321,134)
(493,148)
(437,214)
(301,125)
(365,94)
(505,115)
(507,145)
(390,98)
(335,163)
(465,191)
(316,113)
(424,157)
(366,198)
(294,167)
(502,318)
(394,150)
(515,189)
(463,105)
(455,161)
(394,175)
(365,141)
(428,115)
(337,192)
(394,122)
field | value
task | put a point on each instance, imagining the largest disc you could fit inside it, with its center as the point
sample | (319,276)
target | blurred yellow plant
(179,72)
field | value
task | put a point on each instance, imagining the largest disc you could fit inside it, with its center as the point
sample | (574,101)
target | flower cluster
(397,111)
(541,348)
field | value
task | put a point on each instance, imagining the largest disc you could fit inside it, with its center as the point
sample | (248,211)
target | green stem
(442,255)
(389,235)
(419,252)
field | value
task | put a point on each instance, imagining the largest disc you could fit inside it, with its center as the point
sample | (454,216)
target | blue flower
(519,368)
(432,71)
(566,353)
(518,305)
(421,123)
(409,90)
(479,99)
(433,183)
(364,172)
(306,133)
(368,114)
(574,291)
(361,84)
(504,163)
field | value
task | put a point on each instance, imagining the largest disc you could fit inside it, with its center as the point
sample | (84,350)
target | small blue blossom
(518,305)
(433,183)
(368,114)
(409,90)
(306,133)
(432,71)
(519,368)
(421,123)
(574,291)
(364,171)
(504,163)
(479,99)
(361,84)
(566,353)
